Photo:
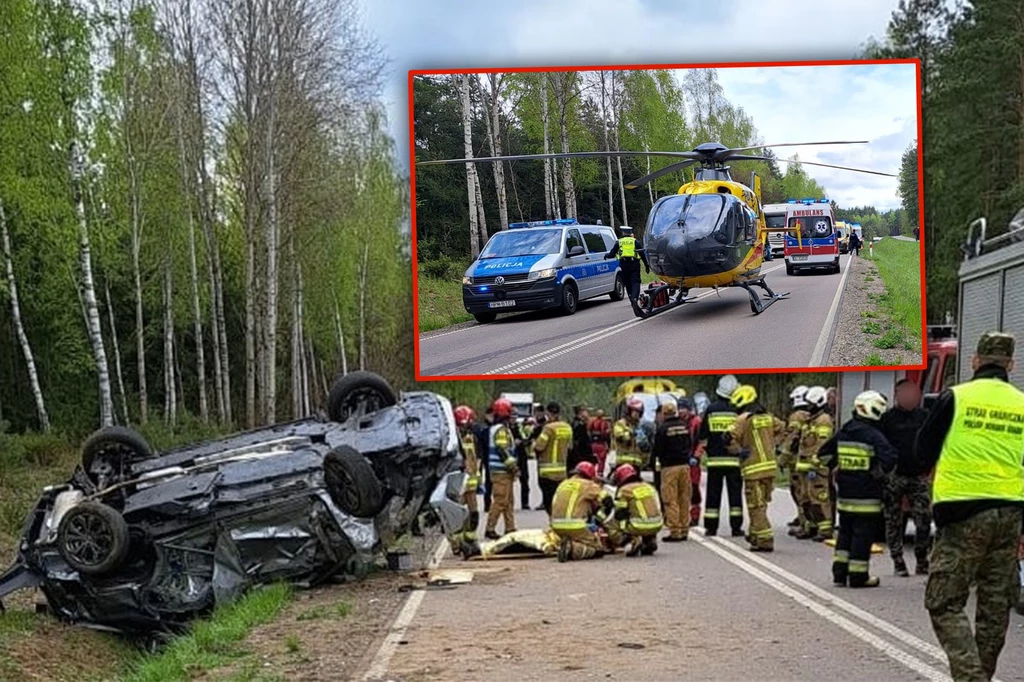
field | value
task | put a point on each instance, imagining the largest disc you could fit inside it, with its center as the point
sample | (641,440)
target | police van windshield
(698,215)
(777,221)
(812,227)
(523,242)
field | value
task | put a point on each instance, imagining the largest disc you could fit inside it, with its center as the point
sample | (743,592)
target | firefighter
(637,513)
(861,457)
(798,419)
(600,439)
(752,437)
(723,466)
(580,507)
(552,448)
(464,420)
(673,451)
(524,453)
(689,417)
(482,432)
(630,258)
(628,448)
(815,475)
(502,465)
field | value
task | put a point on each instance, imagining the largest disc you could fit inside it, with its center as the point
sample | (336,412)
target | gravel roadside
(853,344)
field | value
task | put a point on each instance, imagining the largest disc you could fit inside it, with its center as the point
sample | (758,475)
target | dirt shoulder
(862,335)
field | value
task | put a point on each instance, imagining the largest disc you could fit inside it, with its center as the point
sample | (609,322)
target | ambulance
(775,218)
(815,245)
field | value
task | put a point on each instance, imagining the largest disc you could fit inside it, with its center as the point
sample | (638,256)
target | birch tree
(494,135)
(471,179)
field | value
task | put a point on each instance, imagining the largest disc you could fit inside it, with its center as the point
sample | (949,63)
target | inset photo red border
(667,219)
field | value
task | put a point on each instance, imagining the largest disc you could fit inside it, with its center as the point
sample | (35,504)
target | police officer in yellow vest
(630,258)
(552,447)
(974,437)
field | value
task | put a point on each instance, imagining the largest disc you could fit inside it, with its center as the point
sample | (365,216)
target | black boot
(922,566)
(900,567)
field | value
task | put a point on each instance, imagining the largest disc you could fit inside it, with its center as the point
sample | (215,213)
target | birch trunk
(547,146)
(140,323)
(608,148)
(362,308)
(481,215)
(117,358)
(567,184)
(250,322)
(467,141)
(170,381)
(89,288)
(272,236)
(618,159)
(341,340)
(296,333)
(494,133)
(19,326)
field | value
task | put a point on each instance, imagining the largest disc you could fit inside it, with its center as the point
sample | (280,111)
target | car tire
(359,393)
(351,482)
(835,267)
(93,538)
(485,318)
(570,299)
(1019,607)
(789,269)
(619,292)
(109,453)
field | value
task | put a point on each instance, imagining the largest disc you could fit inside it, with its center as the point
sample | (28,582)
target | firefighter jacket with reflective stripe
(627,247)
(552,448)
(470,462)
(753,438)
(719,416)
(576,501)
(673,443)
(627,451)
(816,431)
(790,446)
(501,449)
(861,456)
(641,500)
(981,456)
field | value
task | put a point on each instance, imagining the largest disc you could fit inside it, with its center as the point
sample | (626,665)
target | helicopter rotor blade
(744,157)
(671,168)
(560,155)
(728,152)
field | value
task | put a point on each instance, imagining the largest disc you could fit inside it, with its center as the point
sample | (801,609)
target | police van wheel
(485,318)
(619,292)
(569,299)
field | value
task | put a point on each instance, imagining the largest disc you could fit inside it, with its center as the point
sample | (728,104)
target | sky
(445,34)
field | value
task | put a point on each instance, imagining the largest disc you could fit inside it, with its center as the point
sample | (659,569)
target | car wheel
(359,393)
(107,455)
(351,482)
(789,269)
(835,267)
(569,299)
(1020,601)
(93,538)
(619,292)
(485,318)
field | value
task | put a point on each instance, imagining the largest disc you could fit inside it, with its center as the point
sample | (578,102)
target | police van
(775,218)
(542,264)
(816,246)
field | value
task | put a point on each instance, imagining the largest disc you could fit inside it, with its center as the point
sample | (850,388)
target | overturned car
(138,540)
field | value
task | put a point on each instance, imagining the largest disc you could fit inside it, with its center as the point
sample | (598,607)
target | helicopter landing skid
(757,304)
(657,300)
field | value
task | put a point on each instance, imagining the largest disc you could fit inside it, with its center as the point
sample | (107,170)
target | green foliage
(440,302)
(899,267)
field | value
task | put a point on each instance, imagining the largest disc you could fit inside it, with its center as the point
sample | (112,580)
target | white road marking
(379,666)
(593,337)
(911,662)
(430,336)
(818,358)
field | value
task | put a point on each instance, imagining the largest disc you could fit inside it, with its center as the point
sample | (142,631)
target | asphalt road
(712,332)
(703,610)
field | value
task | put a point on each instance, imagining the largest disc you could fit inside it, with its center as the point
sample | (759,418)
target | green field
(899,266)
(440,303)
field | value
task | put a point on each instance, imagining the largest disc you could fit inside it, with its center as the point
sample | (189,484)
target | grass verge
(440,303)
(899,267)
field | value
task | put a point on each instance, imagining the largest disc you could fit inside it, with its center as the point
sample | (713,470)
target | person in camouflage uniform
(974,438)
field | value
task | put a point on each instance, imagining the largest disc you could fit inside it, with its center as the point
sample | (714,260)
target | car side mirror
(576,251)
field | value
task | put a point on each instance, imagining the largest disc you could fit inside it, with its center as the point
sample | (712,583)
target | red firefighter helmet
(586,470)
(464,415)
(502,408)
(624,473)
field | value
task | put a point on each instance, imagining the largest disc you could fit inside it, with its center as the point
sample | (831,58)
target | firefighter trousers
(675,496)
(731,479)
(797,492)
(583,544)
(759,494)
(853,547)
(501,503)
(817,503)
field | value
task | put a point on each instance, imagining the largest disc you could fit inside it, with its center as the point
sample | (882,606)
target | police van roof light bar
(543,223)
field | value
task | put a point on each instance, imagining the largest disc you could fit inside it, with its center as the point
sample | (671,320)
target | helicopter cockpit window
(749,222)
(697,215)
(812,227)
(522,242)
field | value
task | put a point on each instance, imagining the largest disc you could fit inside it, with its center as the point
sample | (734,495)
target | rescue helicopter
(710,234)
